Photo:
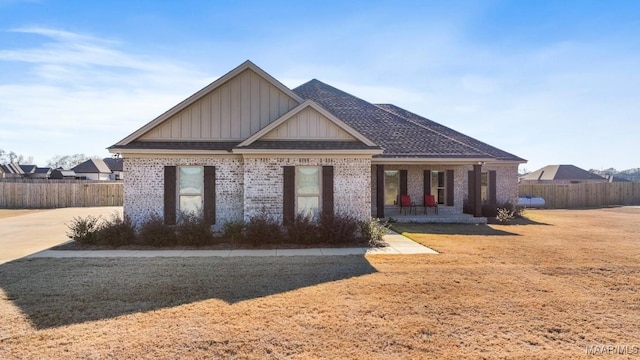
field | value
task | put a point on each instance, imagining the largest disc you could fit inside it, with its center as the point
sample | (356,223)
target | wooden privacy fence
(42,194)
(586,195)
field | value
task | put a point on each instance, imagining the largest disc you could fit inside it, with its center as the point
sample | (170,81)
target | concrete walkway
(398,244)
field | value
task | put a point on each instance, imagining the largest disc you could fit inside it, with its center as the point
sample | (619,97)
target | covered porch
(453,185)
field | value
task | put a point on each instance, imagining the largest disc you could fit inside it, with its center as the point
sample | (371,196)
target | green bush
(83,230)
(232,232)
(372,231)
(337,228)
(192,230)
(116,231)
(302,230)
(263,229)
(154,232)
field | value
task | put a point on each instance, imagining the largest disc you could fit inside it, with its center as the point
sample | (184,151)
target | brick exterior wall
(244,187)
(144,186)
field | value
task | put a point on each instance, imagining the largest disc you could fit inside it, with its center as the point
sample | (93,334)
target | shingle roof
(561,172)
(113,163)
(43,170)
(28,169)
(399,132)
(92,166)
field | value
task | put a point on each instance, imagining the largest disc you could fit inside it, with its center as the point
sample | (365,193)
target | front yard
(551,288)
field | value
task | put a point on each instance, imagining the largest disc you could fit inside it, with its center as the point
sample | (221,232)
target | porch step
(438,219)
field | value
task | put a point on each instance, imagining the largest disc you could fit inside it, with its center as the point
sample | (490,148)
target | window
(190,187)
(438,186)
(391,187)
(308,190)
(484,185)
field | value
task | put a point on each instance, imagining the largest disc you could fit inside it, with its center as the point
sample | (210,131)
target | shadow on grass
(518,221)
(59,292)
(449,229)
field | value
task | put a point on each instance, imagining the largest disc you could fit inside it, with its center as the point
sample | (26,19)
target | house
(247,144)
(115,165)
(92,169)
(61,174)
(561,174)
(12,171)
(42,173)
(28,170)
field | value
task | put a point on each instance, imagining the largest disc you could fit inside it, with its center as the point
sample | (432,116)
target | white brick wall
(244,187)
(144,186)
(264,184)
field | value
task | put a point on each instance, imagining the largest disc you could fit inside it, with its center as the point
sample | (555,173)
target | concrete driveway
(23,232)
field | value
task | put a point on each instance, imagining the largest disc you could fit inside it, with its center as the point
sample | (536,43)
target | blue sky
(554,82)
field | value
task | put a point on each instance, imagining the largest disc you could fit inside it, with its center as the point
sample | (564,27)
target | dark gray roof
(179,145)
(310,145)
(114,164)
(12,169)
(43,170)
(561,172)
(92,166)
(400,136)
(28,169)
(450,133)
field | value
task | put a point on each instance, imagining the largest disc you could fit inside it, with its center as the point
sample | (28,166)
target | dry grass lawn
(7,213)
(545,289)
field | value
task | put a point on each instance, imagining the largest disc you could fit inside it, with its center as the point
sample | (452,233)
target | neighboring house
(247,144)
(61,174)
(561,174)
(28,170)
(115,165)
(12,171)
(42,173)
(92,169)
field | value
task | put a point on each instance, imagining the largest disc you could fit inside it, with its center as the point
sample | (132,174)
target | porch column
(380,191)
(477,193)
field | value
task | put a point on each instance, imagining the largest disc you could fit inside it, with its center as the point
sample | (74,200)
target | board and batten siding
(308,124)
(233,111)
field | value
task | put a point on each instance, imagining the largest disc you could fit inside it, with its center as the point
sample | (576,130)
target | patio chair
(405,203)
(430,201)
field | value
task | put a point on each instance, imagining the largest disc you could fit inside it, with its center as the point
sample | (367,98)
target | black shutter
(427,183)
(492,189)
(209,195)
(449,187)
(327,189)
(170,191)
(380,191)
(403,182)
(289,194)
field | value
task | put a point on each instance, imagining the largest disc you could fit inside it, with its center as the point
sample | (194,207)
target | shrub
(372,231)
(83,230)
(263,229)
(302,230)
(116,231)
(504,215)
(232,232)
(155,232)
(192,230)
(337,228)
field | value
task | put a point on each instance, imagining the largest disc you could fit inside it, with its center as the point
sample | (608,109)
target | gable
(233,111)
(308,124)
